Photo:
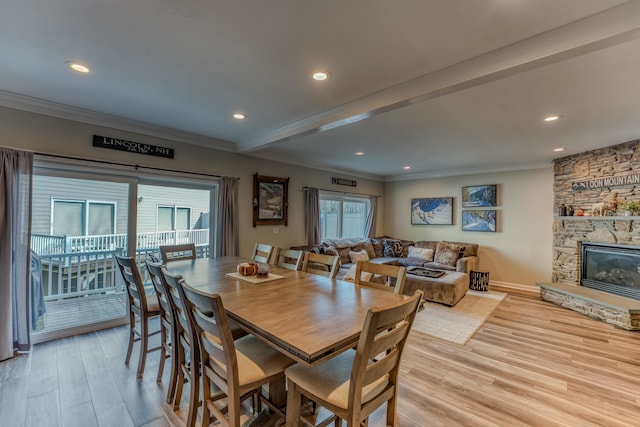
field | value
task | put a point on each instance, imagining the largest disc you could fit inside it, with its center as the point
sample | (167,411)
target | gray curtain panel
(228,239)
(372,217)
(15,222)
(312,216)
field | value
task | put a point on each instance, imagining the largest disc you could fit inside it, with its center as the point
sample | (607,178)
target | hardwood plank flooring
(531,364)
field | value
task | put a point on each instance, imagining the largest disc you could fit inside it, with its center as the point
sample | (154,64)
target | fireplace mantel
(598,218)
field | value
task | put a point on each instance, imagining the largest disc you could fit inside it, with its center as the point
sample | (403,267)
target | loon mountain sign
(131,146)
(610,181)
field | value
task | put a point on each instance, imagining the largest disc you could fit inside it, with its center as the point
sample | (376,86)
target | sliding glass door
(82,220)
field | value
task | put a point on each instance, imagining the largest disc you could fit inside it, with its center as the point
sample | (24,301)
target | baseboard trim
(516,287)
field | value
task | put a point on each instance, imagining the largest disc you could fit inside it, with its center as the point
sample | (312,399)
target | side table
(479,280)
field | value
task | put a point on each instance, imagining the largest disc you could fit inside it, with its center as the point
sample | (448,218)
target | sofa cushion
(470,249)
(368,247)
(447,253)
(423,253)
(438,266)
(392,248)
(378,247)
(361,255)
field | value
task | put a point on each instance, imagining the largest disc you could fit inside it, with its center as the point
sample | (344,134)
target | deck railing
(74,266)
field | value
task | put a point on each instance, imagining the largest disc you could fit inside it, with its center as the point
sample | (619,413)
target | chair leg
(144,343)
(132,337)
(294,400)
(194,395)
(175,372)
(163,352)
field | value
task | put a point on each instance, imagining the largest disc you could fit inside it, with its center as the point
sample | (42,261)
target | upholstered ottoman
(447,289)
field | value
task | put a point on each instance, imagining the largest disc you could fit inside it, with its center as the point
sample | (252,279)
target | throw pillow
(330,250)
(351,275)
(358,256)
(447,254)
(421,253)
(392,248)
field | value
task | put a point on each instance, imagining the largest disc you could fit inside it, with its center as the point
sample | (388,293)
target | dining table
(308,317)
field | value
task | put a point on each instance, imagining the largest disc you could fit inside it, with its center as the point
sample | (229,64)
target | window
(174,218)
(342,216)
(83,218)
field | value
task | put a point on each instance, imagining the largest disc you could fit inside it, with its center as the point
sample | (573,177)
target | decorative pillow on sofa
(358,256)
(330,250)
(420,253)
(447,253)
(392,248)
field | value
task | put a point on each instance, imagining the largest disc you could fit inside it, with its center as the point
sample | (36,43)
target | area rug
(458,323)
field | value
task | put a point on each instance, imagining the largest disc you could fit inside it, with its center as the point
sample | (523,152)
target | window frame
(86,206)
(341,199)
(174,216)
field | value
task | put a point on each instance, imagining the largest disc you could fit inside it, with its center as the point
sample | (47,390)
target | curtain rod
(136,167)
(304,188)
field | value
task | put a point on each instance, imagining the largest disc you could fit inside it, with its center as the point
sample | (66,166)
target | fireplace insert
(611,268)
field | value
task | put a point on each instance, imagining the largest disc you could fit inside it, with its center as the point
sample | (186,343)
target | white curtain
(228,238)
(372,217)
(15,222)
(312,216)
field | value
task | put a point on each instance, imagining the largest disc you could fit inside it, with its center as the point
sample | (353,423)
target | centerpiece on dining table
(261,271)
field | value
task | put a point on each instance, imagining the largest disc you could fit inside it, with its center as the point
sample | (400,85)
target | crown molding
(67,112)
(470,171)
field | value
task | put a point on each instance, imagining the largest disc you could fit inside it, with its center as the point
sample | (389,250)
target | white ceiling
(445,86)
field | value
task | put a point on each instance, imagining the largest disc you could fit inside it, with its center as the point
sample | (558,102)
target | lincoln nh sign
(132,147)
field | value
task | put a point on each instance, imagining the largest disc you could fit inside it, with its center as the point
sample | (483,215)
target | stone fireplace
(590,278)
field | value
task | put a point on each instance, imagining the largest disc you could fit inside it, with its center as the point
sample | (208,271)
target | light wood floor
(531,364)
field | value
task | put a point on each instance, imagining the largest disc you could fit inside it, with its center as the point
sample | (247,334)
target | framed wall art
(270,200)
(479,196)
(479,220)
(432,211)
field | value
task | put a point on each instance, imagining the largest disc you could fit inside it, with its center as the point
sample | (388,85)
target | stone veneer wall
(613,161)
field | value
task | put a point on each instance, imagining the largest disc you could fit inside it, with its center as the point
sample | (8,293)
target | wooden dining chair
(141,308)
(386,271)
(186,348)
(355,383)
(239,368)
(262,253)
(290,259)
(176,252)
(167,326)
(325,265)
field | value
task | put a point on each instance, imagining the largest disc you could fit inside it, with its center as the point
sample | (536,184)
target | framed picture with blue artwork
(479,196)
(479,220)
(432,211)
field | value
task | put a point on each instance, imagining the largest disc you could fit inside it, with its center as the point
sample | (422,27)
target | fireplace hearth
(611,268)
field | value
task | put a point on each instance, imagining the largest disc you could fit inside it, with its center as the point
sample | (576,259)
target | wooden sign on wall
(610,181)
(132,147)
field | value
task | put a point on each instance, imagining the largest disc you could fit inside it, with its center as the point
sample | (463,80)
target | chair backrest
(176,252)
(399,273)
(378,353)
(219,357)
(325,265)
(183,322)
(262,253)
(289,258)
(160,285)
(133,282)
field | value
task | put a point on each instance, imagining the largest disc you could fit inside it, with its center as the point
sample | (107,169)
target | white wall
(44,134)
(520,252)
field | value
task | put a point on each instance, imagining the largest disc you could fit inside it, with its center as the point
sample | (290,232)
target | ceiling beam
(608,28)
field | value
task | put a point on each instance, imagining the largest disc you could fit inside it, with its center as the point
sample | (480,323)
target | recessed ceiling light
(407,168)
(239,116)
(359,153)
(75,66)
(321,75)
(552,118)
(558,149)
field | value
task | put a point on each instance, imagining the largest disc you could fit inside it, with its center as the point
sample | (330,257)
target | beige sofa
(389,250)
